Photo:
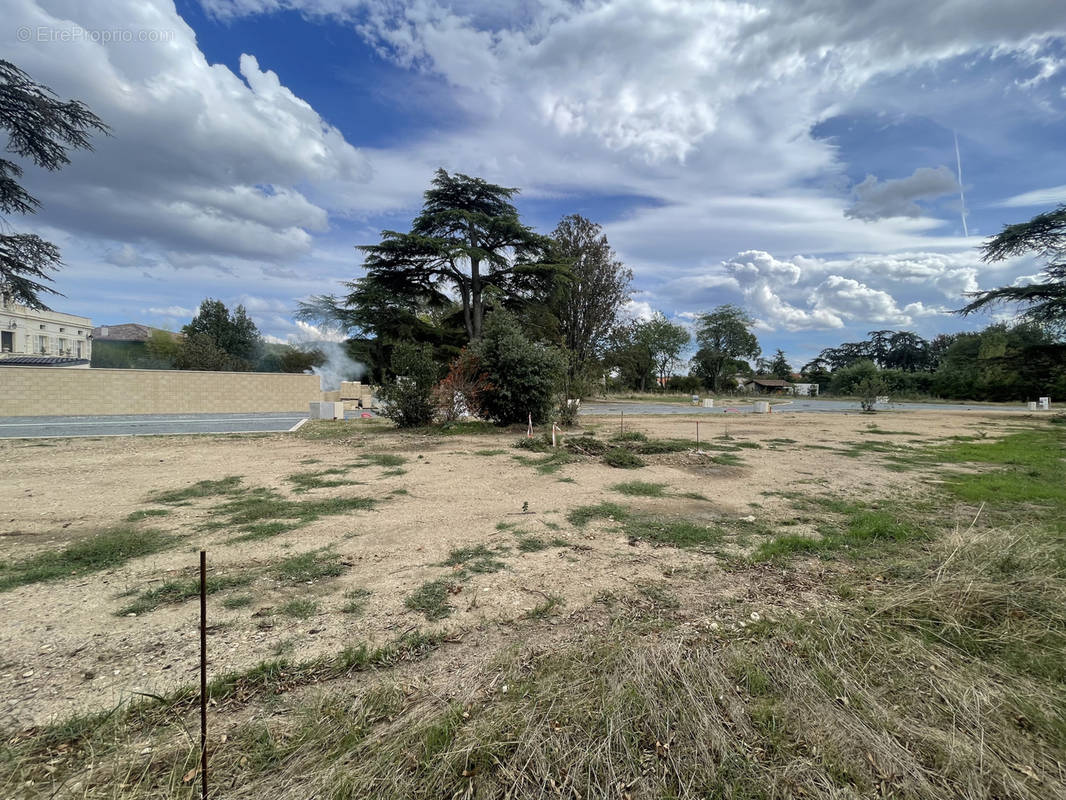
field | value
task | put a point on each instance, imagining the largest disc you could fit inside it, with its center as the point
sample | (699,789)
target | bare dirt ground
(65,648)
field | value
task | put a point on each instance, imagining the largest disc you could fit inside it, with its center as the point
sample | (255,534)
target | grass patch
(299,608)
(392,473)
(548,465)
(237,601)
(355,601)
(175,592)
(487,453)
(383,459)
(223,486)
(857,528)
(583,515)
(105,550)
(651,447)
(670,532)
(620,458)
(310,566)
(640,489)
(264,505)
(728,460)
(694,496)
(264,530)
(475,560)
(629,436)
(546,608)
(146,513)
(305,481)
(532,544)
(431,600)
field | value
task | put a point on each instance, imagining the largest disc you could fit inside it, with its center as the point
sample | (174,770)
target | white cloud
(703,106)
(172,311)
(1051,196)
(200,160)
(875,199)
(851,299)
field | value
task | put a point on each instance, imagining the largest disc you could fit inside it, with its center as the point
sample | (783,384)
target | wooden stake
(697,436)
(203,674)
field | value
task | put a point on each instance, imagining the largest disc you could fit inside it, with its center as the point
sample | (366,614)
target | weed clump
(431,600)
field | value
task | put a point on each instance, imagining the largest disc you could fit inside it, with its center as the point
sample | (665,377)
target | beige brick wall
(44,391)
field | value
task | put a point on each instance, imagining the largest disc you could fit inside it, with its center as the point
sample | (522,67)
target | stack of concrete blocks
(708,402)
(327,410)
(357,395)
(1045,403)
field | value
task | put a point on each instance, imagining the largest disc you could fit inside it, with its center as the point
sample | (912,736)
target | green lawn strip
(105,550)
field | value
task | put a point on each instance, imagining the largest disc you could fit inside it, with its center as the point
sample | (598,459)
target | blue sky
(794,158)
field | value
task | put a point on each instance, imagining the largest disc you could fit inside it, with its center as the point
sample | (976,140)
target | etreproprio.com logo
(75,33)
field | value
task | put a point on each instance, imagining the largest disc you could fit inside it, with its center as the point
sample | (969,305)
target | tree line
(472,310)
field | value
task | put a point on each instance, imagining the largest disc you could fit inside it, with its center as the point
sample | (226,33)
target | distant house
(123,346)
(767,386)
(32,338)
(126,332)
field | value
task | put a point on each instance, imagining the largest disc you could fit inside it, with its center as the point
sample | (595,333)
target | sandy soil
(63,648)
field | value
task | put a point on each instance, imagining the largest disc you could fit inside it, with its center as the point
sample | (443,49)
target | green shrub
(523,374)
(408,398)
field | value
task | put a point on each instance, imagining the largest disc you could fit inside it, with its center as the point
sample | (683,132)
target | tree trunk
(464,292)
(477,311)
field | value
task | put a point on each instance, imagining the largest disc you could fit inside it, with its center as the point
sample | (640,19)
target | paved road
(146,424)
(815,406)
(175,424)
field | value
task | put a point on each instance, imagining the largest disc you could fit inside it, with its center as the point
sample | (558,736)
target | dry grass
(914,650)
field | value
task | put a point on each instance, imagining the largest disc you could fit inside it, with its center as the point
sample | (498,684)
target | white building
(42,338)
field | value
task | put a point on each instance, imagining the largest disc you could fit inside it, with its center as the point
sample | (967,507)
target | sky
(795,157)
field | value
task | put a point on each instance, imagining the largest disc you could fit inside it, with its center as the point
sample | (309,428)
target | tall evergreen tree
(1044,302)
(43,129)
(468,238)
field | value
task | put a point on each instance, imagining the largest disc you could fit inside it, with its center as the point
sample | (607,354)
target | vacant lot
(805,606)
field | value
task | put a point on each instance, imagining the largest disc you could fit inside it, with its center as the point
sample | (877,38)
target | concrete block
(323,410)
(708,402)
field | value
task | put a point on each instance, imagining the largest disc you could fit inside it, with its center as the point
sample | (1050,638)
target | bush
(686,384)
(567,412)
(846,380)
(461,392)
(523,374)
(408,399)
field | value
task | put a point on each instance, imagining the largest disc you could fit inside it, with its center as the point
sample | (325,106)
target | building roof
(124,332)
(41,361)
(770,382)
